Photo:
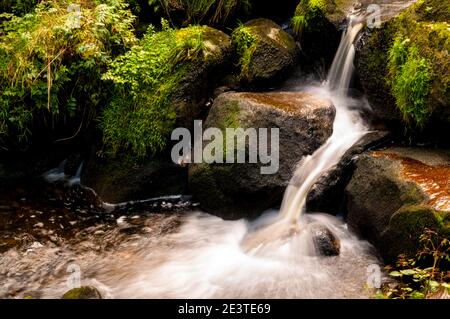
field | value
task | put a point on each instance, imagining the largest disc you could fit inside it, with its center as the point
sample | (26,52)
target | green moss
(142,114)
(416,75)
(310,16)
(407,225)
(84,292)
(410,77)
(246,43)
(430,10)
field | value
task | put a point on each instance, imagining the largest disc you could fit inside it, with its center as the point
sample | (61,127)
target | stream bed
(163,249)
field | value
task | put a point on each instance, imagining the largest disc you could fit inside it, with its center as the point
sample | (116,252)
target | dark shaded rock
(326,243)
(327,194)
(83,292)
(270,56)
(240,190)
(122,179)
(385,183)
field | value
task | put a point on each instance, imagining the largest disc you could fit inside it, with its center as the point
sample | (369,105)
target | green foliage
(51,62)
(141,114)
(246,43)
(308,14)
(198,11)
(425,275)
(410,79)
(17,7)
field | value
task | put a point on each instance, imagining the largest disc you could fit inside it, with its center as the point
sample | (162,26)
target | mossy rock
(266,53)
(315,26)
(83,292)
(404,69)
(405,228)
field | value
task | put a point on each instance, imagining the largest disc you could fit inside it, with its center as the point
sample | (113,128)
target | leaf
(395,274)
(408,272)
(417,295)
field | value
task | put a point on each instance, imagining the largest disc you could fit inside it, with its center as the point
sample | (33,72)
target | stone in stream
(83,292)
(238,190)
(396,193)
(325,242)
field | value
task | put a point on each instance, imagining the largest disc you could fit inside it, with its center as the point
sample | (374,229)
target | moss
(148,79)
(409,77)
(84,292)
(310,16)
(417,75)
(405,228)
(246,43)
(430,10)
(263,48)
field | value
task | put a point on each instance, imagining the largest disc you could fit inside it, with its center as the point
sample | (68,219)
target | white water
(348,128)
(207,257)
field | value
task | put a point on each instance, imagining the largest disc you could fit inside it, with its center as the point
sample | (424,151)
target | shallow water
(187,255)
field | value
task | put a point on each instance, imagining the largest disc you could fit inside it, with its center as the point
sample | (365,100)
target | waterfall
(348,127)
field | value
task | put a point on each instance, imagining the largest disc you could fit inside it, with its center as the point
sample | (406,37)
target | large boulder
(392,190)
(403,67)
(240,190)
(266,52)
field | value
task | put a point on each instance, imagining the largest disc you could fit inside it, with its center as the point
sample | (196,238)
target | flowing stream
(196,255)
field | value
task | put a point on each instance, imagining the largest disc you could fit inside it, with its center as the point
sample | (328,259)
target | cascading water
(202,256)
(348,127)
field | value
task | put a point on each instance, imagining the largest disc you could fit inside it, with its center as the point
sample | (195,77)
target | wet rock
(327,194)
(267,53)
(326,243)
(392,190)
(238,190)
(83,292)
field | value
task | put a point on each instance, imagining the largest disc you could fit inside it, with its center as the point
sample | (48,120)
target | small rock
(325,241)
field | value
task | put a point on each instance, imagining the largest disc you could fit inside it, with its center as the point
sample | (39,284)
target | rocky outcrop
(266,52)
(240,190)
(395,194)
